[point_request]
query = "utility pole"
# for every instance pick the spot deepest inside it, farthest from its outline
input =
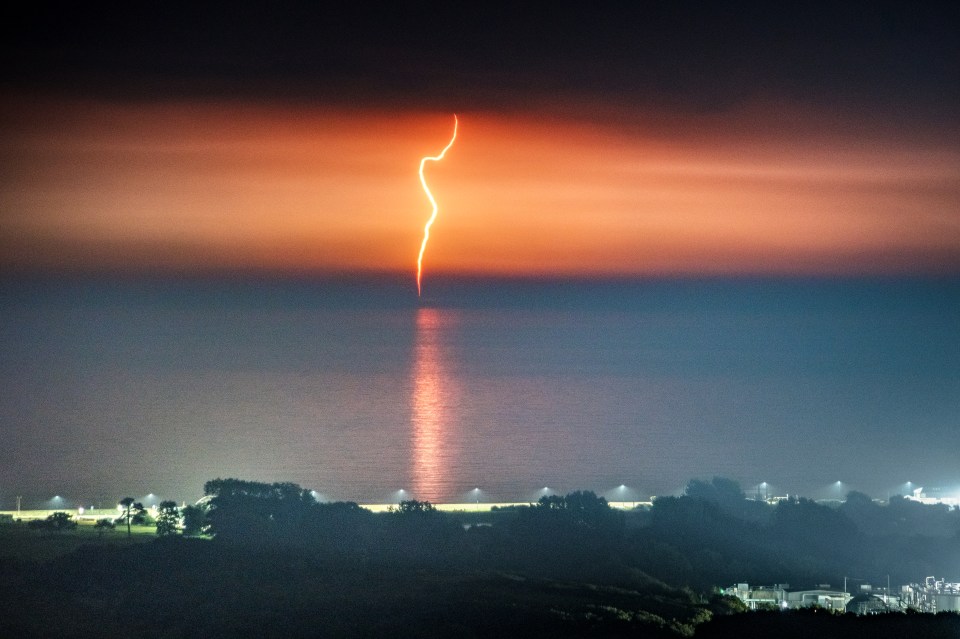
(18, 506)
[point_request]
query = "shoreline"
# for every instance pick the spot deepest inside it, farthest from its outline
(101, 513)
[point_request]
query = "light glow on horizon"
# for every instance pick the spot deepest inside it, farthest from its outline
(183, 187)
(433, 202)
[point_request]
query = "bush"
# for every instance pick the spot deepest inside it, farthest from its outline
(56, 522)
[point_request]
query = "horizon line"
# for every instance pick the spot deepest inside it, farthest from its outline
(15, 272)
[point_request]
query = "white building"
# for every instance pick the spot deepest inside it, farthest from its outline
(829, 599)
(937, 498)
(779, 597)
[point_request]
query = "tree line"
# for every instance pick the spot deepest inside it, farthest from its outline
(273, 561)
(712, 535)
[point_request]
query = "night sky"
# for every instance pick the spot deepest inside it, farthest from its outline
(649, 138)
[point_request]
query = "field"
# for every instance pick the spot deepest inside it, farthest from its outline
(19, 543)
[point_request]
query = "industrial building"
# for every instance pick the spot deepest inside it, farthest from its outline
(779, 597)
(933, 595)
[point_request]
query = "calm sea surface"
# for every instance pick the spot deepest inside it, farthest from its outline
(113, 387)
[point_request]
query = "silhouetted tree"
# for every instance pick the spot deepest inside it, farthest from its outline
(813, 524)
(727, 494)
(258, 512)
(168, 518)
(131, 510)
(194, 519)
(414, 507)
(577, 533)
(103, 525)
(56, 522)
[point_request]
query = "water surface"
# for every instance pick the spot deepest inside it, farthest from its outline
(115, 386)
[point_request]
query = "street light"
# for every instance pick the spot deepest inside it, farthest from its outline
(546, 491)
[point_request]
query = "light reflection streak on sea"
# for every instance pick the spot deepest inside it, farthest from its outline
(433, 407)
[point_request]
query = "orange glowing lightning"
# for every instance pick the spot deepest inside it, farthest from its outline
(433, 216)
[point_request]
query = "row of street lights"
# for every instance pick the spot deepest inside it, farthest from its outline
(625, 494)
(58, 502)
(621, 493)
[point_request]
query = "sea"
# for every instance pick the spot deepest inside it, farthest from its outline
(482, 390)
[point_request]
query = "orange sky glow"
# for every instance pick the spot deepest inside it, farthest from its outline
(220, 185)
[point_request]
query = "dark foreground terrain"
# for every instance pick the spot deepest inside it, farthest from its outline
(189, 587)
(270, 561)
(199, 588)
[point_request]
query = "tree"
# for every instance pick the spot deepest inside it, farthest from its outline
(62, 521)
(720, 490)
(194, 520)
(727, 494)
(131, 509)
(255, 512)
(103, 525)
(414, 507)
(141, 516)
(168, 518)
(580, 508)
(56, 522)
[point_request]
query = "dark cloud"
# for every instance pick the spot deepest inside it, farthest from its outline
(895, 58)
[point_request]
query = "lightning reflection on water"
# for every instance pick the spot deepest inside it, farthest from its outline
(434, 396)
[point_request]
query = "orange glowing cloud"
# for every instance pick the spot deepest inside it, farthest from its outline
(222, 185)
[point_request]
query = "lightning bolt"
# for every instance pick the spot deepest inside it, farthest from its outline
(433, 202)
